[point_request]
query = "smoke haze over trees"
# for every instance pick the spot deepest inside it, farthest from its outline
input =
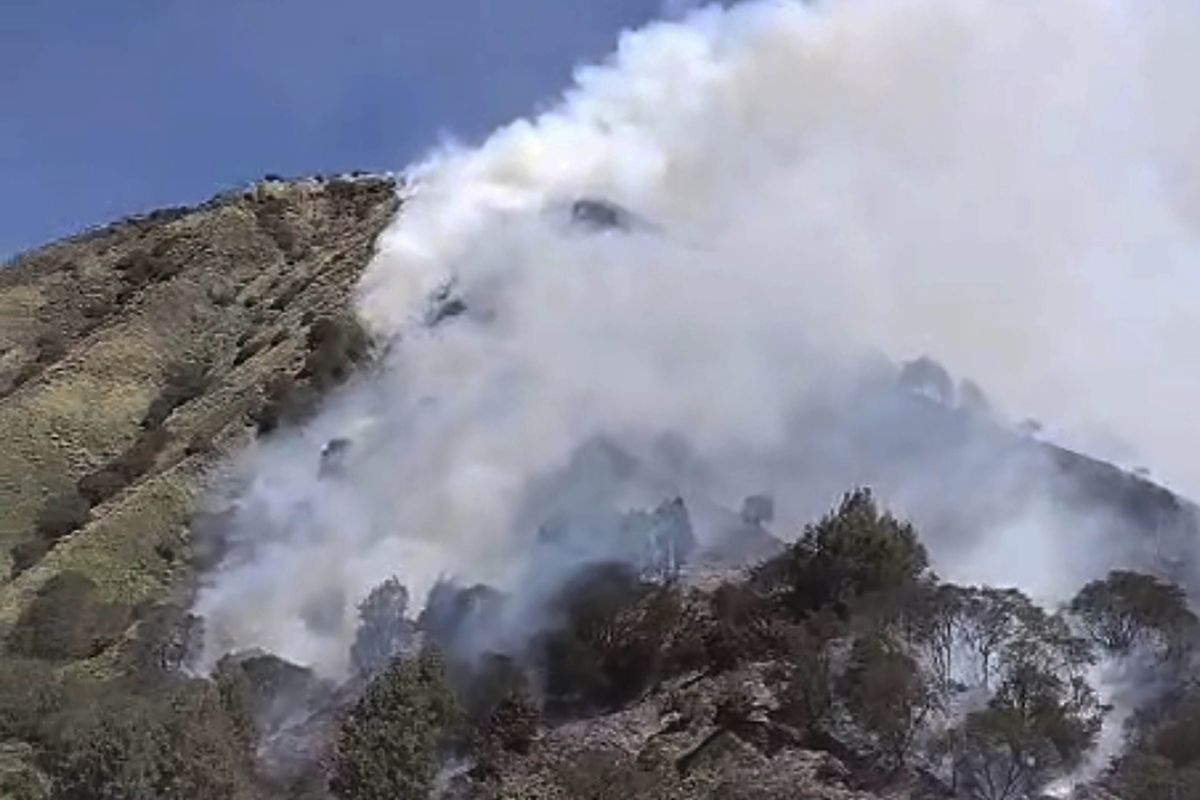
(577, 496)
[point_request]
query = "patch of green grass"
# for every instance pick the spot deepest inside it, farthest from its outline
(121, 551)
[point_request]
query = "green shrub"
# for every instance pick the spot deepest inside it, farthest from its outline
(165, 636)
(181, 744)
(20, 779)
(384, 631)
(265, 689)
(66, 622)
(29, 693)
(286, 401)
(850, 554)
(1143, 776)
(357, 197)
(136, 267)
(1163, 758)
(1035, 728)
(248, 347)
(335, 346)
(63, 514)
(453, 611)
(287, 295)
(614, 639)
(201, 444)
(27, 553)
(807, 697)
(515, 721)
(97, 309)
(185, 381)
(390, 744)
(101, 484)
(140, 268)
(273, 216)
(885, 692)
(482, 685)
(1126, 609)
(50, 347)
(1179, 739)
(741, 629)
(511, 727)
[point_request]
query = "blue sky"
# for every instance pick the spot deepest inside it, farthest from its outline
(111, 108)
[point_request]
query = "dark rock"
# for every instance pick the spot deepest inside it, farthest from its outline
(333, 458)
(599, 216)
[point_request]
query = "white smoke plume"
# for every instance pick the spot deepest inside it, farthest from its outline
(811, 189)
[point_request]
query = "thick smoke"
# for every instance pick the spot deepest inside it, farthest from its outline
(801, 196)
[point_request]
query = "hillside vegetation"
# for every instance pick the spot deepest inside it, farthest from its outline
(136, 359)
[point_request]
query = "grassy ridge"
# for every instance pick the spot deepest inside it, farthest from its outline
(90, 331)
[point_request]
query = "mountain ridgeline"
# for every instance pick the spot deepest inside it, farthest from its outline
(829, 661)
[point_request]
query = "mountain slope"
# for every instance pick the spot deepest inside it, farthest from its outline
(136, 359)
(92, 330)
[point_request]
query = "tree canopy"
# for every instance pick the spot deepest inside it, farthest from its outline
(390, 744)
(1128, 609)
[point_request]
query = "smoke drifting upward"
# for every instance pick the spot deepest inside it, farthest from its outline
(800, 194)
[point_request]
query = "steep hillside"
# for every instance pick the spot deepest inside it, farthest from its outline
(151, 347)
(136, 359)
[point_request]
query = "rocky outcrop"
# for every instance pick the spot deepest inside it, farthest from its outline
(698, 737)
